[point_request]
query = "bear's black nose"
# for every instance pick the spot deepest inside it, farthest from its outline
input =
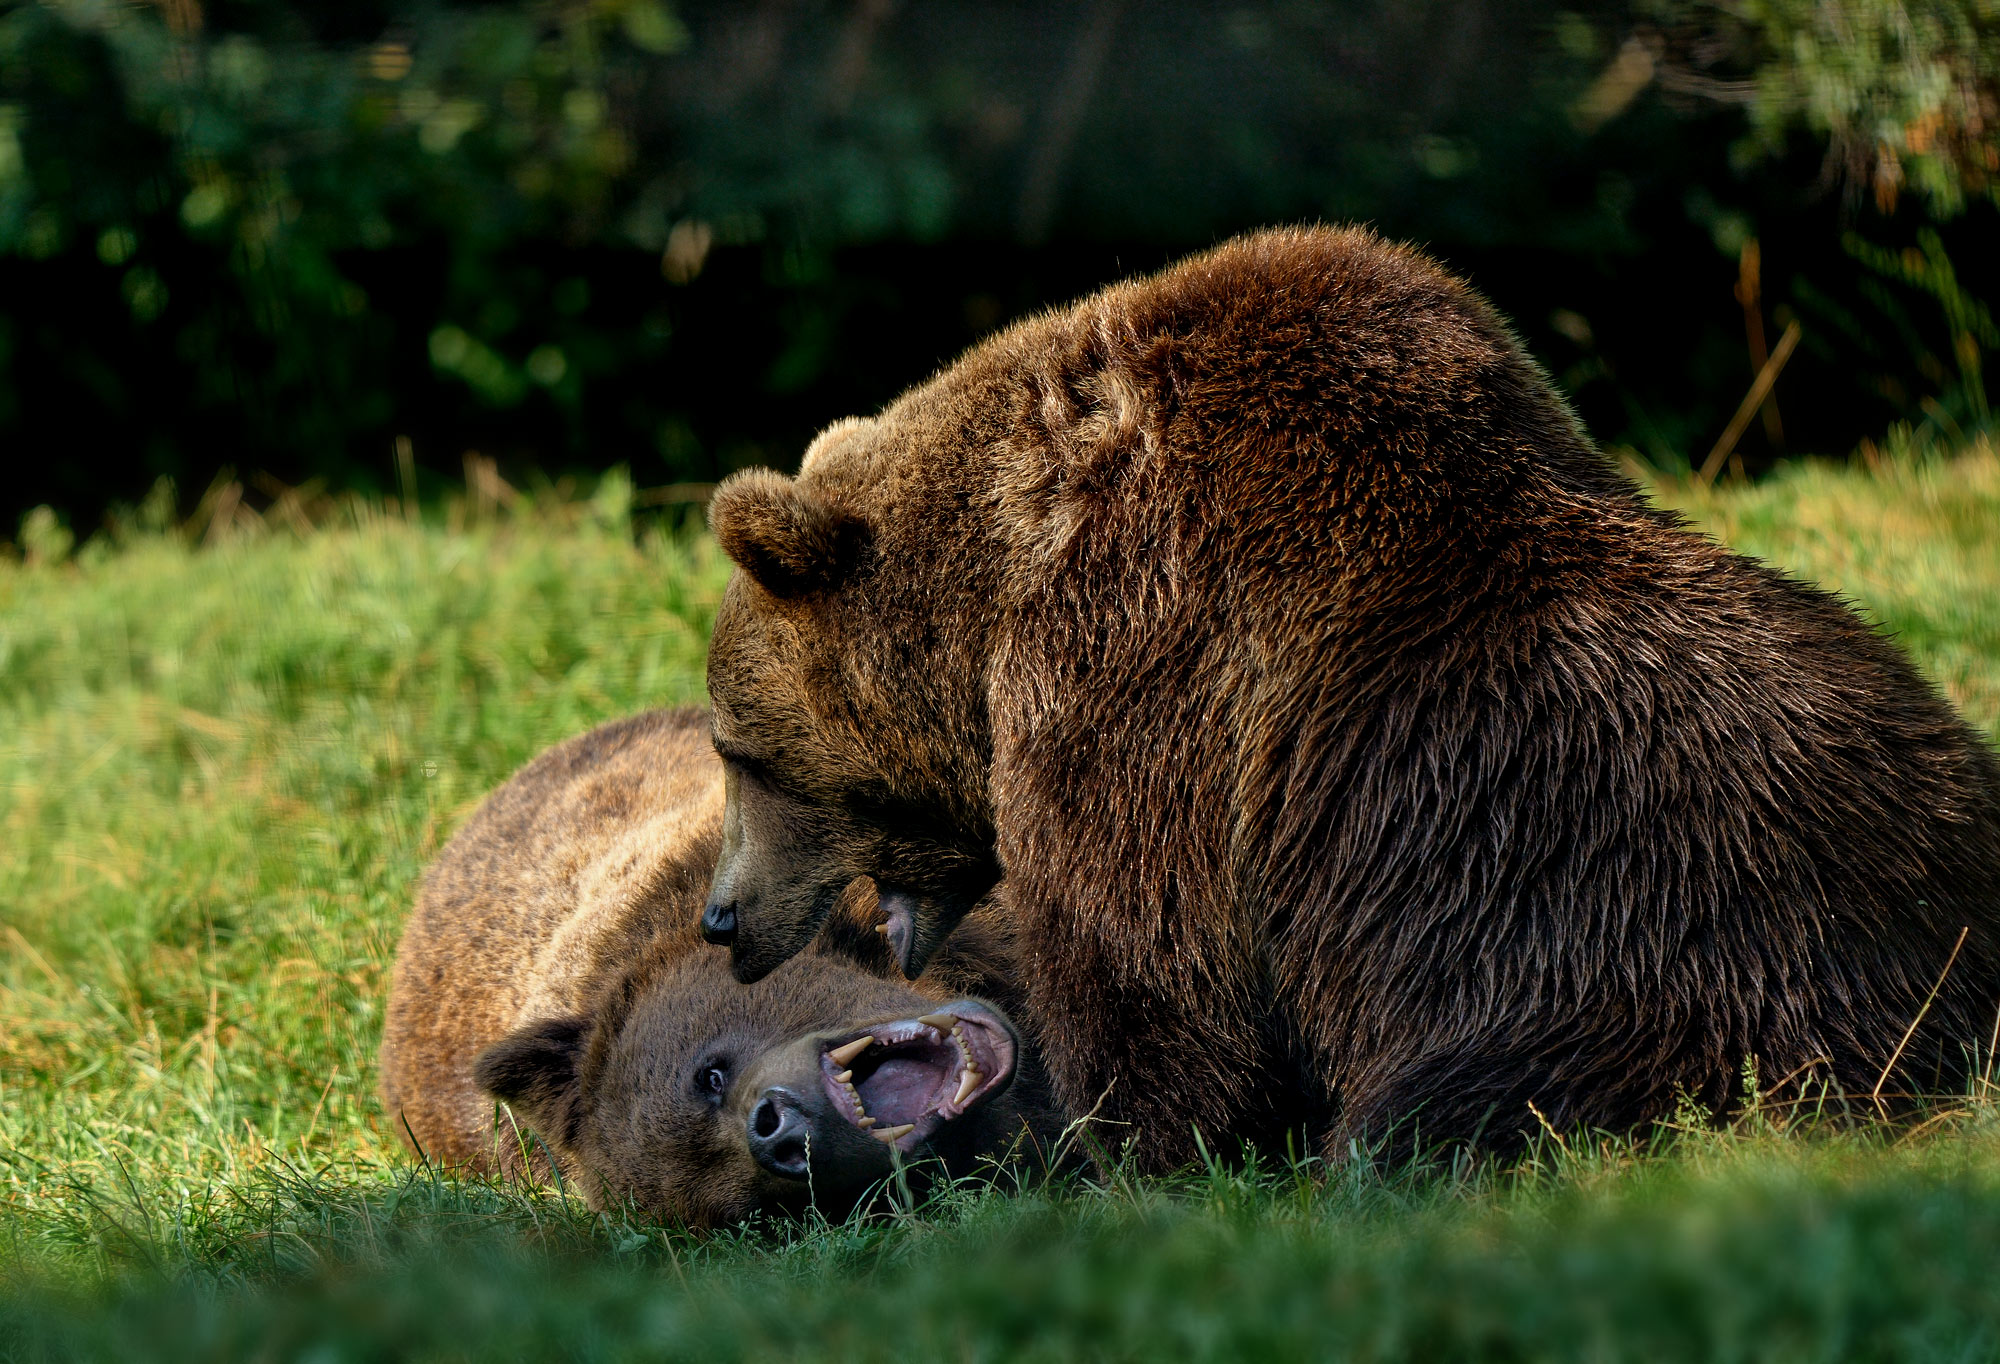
(778, 1134)
(718, 923)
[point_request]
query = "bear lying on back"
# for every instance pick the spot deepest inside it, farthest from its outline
(1361, 751)
(552, 962)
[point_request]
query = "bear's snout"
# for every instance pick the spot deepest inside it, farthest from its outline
(718, 923)
(778, 1133)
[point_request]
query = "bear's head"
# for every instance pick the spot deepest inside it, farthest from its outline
(851, 732)
(703, 1101)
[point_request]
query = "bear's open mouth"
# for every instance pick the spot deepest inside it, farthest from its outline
(902, 1081)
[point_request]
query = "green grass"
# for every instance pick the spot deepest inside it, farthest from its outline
(222, 769)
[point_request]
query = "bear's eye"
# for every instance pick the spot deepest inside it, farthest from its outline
(711, 1080)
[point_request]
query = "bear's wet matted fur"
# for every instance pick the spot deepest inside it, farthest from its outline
(1361, 751)
(552, 961)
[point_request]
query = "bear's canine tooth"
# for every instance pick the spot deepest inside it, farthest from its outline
(968, 1081)
(844, 1055)
(893, 1134)
(883, 929)
(944, 1023)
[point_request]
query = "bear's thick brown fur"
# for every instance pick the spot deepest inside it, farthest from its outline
(1361, 750)
(552, 959)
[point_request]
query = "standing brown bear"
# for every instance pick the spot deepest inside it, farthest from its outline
(552, 963)
(1361, 752)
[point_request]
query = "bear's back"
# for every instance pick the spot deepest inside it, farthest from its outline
(594, 851)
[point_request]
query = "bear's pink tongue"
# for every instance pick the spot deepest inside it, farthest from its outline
(901, 1081)
(901, 1088)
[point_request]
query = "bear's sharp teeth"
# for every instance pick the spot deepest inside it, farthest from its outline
(967, 1082)
(844, 1055)
(841, 1077)
(893, 1134)
(883, 929)
(864, 1123)
(942, 1022)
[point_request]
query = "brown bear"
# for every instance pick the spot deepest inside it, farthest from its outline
(1360, 750)
(552, 962)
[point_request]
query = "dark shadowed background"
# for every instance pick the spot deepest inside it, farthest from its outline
(278, 242)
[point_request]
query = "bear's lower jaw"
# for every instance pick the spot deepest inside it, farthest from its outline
(915, 924)
(899, 929)
(902, 1081)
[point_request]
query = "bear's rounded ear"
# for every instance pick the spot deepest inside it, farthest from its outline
(537, 1072)
(790, 539)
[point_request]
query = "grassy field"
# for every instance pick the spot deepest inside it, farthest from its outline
(222, 769)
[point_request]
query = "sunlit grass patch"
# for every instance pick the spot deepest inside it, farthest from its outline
(222, 770)
(1916, 542)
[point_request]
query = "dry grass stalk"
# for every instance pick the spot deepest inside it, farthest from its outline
(1875, 1095)
(1753, 400)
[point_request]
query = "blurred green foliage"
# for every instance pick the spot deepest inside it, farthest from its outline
(1906, 95)
(568, 234)
(236, 170)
